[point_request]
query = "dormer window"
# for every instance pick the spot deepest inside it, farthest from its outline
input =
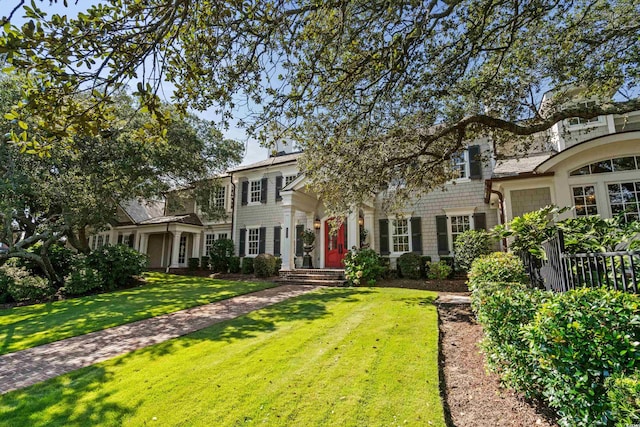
(579, 121)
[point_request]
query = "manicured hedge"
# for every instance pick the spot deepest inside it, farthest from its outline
(264, 265)
(562, 348)
(409, 265)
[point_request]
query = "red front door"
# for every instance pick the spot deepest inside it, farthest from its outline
(335, 246)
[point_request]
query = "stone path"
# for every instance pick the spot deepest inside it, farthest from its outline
(453, 299)
(27, 367)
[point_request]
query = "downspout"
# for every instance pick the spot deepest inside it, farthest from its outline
(233, 207)
(170, 251)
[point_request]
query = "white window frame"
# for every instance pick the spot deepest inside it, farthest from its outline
(222, 236)
(456, 212)
(461, 163)
(209, 238)
(253, 232)
(620, 182)
(182, 249)
(255, 189)
(218, 200)
(584, 197)
(288, 179)
(584, 123)
(392, 235)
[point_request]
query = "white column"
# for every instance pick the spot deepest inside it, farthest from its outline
(144, 243)
(288, 238)
(113, 237)
(175, 252)
(369, 225)
(353, 230)
(195, 251)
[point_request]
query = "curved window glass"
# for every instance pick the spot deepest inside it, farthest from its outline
(619, 164)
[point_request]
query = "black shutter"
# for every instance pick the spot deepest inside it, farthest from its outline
(131, 240)
(278, 188)
(384, 236)
(475, 162)
(443, 235)
(263, 195)
(480, 221)
(245, 192)
(243, 241)
(346, 237)
(276, 240)
(416, 235)
(299, 230)
(263, 240)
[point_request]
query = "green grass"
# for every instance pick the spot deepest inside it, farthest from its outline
(334, 357)
(29, 326)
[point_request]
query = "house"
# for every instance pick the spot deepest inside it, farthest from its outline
(593, 165)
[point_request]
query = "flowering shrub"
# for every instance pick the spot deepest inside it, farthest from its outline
(362, 267)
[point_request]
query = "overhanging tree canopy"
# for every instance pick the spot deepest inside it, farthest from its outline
(375, 91)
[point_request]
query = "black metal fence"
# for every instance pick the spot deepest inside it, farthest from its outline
(561, 271)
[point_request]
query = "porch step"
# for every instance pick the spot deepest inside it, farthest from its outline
(314, 276)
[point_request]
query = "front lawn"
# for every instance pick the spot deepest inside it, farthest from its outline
(29, 326)
(347, 357)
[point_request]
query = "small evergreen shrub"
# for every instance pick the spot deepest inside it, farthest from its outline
(497, 267)
(234, 264)
(471, 245)
(579, 339)
(247, 265)
(439, 270)
(264, 265)
(425, 261)
(82, 279)
(193, 264)
(23, 286)
(5, 280)
(204, 262)
(623, 393)
(385, 264)
(117, 265)
(220, 253)
(451, 263)
(409, 265)
(278, 264)
(362, 267)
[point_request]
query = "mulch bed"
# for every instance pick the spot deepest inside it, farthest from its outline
(472, 396)
(425, 285)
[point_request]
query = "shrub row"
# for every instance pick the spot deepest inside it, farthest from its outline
(579, 351)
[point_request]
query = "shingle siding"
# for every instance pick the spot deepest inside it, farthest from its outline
(529, 200)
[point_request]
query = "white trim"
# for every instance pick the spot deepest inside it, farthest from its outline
(451, 212)
(247, 254)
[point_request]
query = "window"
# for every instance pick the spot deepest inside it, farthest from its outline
(209, 238)
(459, 224)
(253, 241)
(624, 199)
(619, 164)
(459, 165)
(584, 199)
(218, 200)
(289, 179)
(400, 235)
(255, 191)
(222, 236)
(575, 121)
(100, 241)
(182, 252)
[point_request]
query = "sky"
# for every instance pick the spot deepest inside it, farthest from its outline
(253, 151)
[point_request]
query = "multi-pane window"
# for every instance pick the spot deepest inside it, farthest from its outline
(579, 120)
(289, 179)
(459, 224)
(255, 191)
(182, 252)
(253, 241)
(209, 238)
(222, 236)
(100, 241)
(584, 199)
(619, 164)
(400, 235)
(219, 197)
(459, 165)
(624, 198)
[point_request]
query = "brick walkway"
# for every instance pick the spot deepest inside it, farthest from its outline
(27, 367)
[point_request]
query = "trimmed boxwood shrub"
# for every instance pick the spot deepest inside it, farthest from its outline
(82, 279)
(409, 265)
(234, 264)
(623, 393)
(117, 264)
(278, 264)
(438, 270)
(193, 264)
(497, 267)
(204, 262)
(247, 265)
(470, 245)
(264, 265)
(579, 339)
